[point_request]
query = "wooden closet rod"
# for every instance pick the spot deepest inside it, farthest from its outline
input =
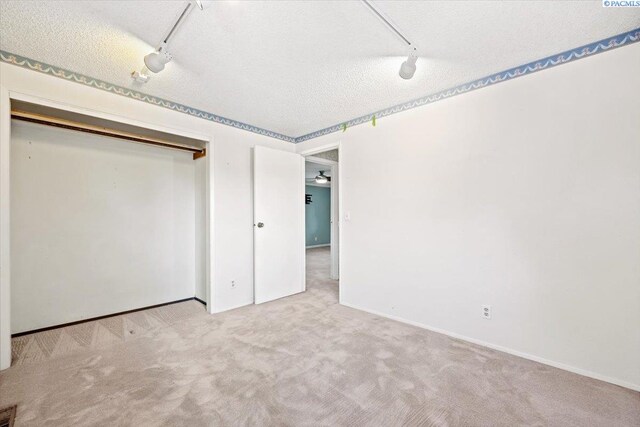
(99, 130)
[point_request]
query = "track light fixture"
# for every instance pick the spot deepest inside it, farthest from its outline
(408, 67)
(156, 60)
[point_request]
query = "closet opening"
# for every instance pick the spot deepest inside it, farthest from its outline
(106, 218)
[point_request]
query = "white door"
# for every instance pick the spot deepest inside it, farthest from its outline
(278, 197)
(335, 224)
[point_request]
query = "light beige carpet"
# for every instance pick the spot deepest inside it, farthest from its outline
(98, 334)
(303, 360)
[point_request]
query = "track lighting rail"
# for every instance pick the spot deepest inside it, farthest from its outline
(386, 21)
(184, 13)
(408, 67)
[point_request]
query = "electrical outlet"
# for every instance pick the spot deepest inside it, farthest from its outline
(486, 312)
(233, 283)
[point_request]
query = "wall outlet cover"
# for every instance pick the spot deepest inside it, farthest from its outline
(486, 312)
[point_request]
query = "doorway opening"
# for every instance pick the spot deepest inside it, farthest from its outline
(321, 220)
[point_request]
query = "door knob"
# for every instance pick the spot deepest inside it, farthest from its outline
(260, 224)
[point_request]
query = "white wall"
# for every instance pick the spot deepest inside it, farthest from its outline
(524, 196)
(98, 225)
(233, 210)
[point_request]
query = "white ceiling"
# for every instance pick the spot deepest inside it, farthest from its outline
(294, 67)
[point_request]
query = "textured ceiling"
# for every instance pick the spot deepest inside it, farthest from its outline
(294, 67)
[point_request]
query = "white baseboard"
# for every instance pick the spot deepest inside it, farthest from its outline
(579, 371)
(318, 246)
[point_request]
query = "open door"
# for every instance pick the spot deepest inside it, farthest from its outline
(335, 224)
(278, 197)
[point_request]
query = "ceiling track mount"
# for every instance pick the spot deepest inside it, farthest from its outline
(387, 22)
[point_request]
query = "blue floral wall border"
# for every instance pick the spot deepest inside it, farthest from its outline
(532, 67)
(522, 70)
(32, 64)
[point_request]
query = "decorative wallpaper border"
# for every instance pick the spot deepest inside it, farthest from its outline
(32, 64)
(522, 70)
(604, 45)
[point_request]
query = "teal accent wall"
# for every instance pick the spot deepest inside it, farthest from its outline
(318, 216)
